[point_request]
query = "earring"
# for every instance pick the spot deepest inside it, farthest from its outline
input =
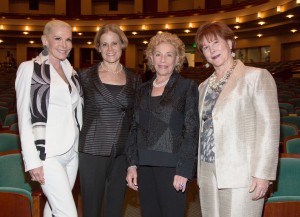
(45, 50)
(232, 54)
(207, 65)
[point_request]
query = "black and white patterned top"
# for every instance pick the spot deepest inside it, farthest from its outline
(207, 142)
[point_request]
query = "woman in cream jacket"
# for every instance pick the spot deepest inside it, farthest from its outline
(239, 129)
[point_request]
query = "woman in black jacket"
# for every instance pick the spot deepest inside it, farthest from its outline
(162, 144)
(109, 93)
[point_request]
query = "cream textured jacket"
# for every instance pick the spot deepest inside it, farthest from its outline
(246, 127)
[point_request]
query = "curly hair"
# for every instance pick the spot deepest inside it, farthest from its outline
(110, 28)
(211, 30)
(172, 39)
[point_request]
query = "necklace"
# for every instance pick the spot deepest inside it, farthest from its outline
(155, 84)
(115, 71)
(215, 85)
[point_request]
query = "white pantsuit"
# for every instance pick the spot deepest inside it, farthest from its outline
(246, 135)
(64, 120)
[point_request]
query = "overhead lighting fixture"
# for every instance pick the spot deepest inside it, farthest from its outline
(145, 42)
(74, 28)
(1, 41)
(1, 27)
(297, 1)
(134, 33)
(278, 9)
(143, 27)
(79, 33)
(294, 30)
(167, 26)
(187, 30)
(31, 42)
(159, 32)
(26, 28)
(98, 28)
(235, 37)
(237, 19)
(258, 14)
(190, 25)
(236, 27)
(89, 42)
(122, 28)
(25, 33)
(261, 23)
(259, 35)
(290, 16)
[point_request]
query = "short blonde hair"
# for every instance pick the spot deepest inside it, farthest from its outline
(54, 23)
(110, 28)
(172, 39)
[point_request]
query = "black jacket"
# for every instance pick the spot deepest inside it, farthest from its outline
(106, 119)
(166, 134)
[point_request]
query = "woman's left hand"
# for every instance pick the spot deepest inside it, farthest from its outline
(259, 187)
(179, 183)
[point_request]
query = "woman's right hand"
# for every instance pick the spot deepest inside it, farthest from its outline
(131, 178)
(37, 174)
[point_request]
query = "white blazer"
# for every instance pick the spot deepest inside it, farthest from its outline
(61, 128)
(246, 127)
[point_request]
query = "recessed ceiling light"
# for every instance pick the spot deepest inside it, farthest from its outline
(89, 42)
(25, 33)
(31, 42)
(259, 35)
(145, 42)
(79, 33)
(236, 27)
(294, 30)
(134, 33)
(1, 41)
(290, 16)
(187, 30)
(261, 23)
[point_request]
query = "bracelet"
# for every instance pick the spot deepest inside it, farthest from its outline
(133, 166)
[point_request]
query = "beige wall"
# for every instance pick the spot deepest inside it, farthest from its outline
(21, 7)
(175, 5)
(131, 56)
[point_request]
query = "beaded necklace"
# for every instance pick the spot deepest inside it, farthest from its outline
(155, 84)
(215, 85)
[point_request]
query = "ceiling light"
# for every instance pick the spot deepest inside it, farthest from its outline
(259, 35)
(294, 30)
(79, 33)
(235, 37)
(258, 14)
(98, 28)
(74, 28)
(31, 42)
(89, 42)
(1, 41)
(1, 27)
(237, 19)
(187, 30)
(159, 32)
(261, 23)
(134, 33)
(278, 9)
(143, 27)
(167, 26)
(297, 1)
(122, 28)
(236, 27)
(145, 42)
(290, 16)
(25, 33)
(190, 25)
(26, 28)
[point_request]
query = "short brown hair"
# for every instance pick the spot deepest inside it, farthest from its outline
(166, 37)
(211, 30)
(110, 28)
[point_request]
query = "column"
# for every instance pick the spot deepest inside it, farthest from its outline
(4, 6)
(60, 7)
(138, 6)
(162, 5)
(86, 7)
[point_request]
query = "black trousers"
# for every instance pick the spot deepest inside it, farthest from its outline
(157, 195)
(103, 184)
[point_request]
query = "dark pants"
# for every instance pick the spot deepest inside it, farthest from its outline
(157, 195)
(103, 184)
